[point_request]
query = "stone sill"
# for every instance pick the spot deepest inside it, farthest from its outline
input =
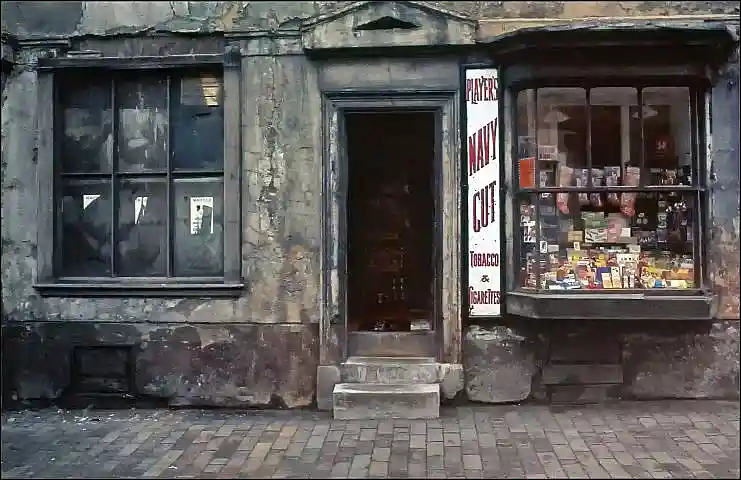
(618, 306)
(150, 290)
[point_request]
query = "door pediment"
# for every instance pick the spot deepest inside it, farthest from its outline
(378, 24)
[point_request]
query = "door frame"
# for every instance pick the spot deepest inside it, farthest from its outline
(446, 220)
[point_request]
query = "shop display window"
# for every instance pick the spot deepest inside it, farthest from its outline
(608, 194)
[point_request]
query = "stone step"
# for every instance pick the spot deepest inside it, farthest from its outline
(367, 401)
(391, 344)
(391, 370)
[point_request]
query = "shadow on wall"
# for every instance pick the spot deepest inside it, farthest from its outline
(181, 365)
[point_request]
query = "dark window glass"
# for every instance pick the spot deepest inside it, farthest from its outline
(87, 137)
(164, 170)
(667, 134)
(142, 124)
(198, 124)
(199, 231)
(86, 228)
(141, 235)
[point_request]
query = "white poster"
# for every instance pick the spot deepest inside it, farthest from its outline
(201, 208)
(482, 158)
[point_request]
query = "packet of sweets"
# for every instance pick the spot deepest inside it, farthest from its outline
(628, 200)
(564, 180)
(582, 179)
(612, 179)
(595, 198)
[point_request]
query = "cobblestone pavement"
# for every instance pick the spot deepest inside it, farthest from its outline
(628, 440)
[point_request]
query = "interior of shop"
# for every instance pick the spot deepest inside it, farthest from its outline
(390, 214)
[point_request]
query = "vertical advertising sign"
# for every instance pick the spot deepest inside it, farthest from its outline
(483, 176)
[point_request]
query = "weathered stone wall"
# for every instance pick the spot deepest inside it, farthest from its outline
(261, 348)
(258, 349)
(42, 19)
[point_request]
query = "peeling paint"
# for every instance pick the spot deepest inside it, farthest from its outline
(262, 347)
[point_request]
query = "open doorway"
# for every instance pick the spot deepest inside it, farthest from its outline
(390, 220)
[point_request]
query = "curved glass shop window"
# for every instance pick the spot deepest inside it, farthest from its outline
(608, 194)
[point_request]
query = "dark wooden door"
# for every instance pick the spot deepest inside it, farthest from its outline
(390, 219)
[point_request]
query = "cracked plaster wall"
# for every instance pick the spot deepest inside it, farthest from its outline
(281, 207)
(39, 19)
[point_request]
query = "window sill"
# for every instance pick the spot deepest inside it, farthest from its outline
(150, 290)
(619, 306)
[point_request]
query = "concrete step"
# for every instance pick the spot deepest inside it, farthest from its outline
(391, 344)
(367, 401)
(391, 370)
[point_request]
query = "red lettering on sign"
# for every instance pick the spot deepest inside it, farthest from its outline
(480, 145)
(484, 297)
(483, 89)
(482, 207)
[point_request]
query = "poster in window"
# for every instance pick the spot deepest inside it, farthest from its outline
(484, 254)
(201, 215)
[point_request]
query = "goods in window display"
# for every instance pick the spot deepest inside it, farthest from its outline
(596, 198)
(616, 229)
(582, 180)
(564, 179)
(612, 179)
(602, 248)
(527, 172)
(628, 200)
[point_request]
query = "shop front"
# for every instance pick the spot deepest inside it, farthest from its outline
(610, 149)
(381, 203)
(584, 181)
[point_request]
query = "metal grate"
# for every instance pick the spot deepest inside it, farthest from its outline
(102, 370)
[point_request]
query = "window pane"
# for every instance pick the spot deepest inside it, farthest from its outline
(526, 138)
(87, 143)
(562, 130)
(86, 229)
(591, 248)
(199, 231)
(667, 135)
(198, 124)
(528, 247)
(142, 229)
(142, 124)
(615, 138)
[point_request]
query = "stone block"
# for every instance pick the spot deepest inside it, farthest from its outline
(391, 344)
(327, 376)
(499, 364)
(595, 345)
(583, 394)
(698, 361)
(451, 379)
(581, 374)
(402, 370)
(390, 370)
(357, 401)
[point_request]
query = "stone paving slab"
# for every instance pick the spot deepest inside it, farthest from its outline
(683, 439)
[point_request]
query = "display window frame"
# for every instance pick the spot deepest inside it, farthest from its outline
(588, 71)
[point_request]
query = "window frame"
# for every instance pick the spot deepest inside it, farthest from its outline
(48, 282)
(690, 304)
